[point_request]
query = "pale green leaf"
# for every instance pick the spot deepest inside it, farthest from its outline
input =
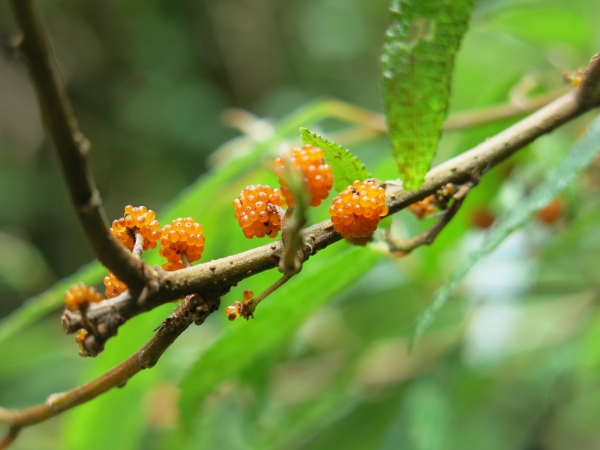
(417, 63)
(346, 166)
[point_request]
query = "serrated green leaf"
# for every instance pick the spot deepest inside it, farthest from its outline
(346, 167)
(582, 153)
(275, 320)
(416, 64)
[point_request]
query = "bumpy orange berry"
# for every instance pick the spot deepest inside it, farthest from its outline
(79, 295)
(137, 219)
(256, 212)
(114, 286)
(357, 210)
(318, 176)
(181, 236)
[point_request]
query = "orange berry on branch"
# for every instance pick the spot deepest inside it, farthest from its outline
(137, 220)
(80, 295)
(316, 174)
(357, 210)
(257, 211)
(423, 207)
(181, 237)
(114, 286)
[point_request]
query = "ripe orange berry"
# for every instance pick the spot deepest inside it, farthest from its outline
(440, 199)
(423, 207)
(318, 176)
(233, 312)
(79, 295)
(357, 210)
(256, 213)
(482, 218)
(181, 236)
(551, 212)
(114, 286)
(137, 219)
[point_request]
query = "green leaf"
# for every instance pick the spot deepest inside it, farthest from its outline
(417, 62)
(346, 167)
(582, 153)
(276, 319)
(422, 420)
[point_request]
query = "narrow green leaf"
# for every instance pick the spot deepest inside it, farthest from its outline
(417, 62)
(346, 167)
(276, 319)
(582, 153)
(422, 419)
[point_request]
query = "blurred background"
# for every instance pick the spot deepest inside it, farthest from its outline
(174, 94)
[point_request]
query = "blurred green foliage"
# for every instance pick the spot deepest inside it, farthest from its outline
(512, 361)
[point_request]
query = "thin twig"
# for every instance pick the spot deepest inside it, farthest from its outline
(372, 123)
(253, 303)
(294, 219)
(193, 309)
(246, 308)
(138, 247)
(10, 436)
(404, 247)
(589, 89)
(468, 119)
(185, 259)
(71, 146)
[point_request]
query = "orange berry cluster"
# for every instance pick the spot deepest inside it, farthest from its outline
(440, 199)
(318, 176)
(80, 295)
(137, 219)
(357, 210)
(114, 286)
(181, 236)
(256, 213)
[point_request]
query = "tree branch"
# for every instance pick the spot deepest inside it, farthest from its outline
(404, 247)
(217, 277)
(72, 147)
(193, 309)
